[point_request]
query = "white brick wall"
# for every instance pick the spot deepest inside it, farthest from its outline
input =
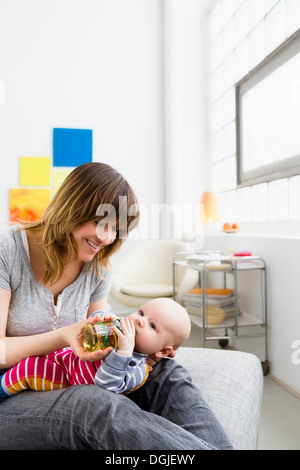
(242, 34)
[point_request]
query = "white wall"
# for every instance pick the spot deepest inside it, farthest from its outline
(186, 100)
(117, 67)
(242, 34)
(85, 64)
(282, 256)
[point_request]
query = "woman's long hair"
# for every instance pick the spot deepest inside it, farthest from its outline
(77, 201)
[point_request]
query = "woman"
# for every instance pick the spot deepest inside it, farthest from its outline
(53, 274)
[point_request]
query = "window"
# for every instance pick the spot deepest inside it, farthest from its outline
(268, 117)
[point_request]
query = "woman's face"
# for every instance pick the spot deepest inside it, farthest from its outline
(91, 237)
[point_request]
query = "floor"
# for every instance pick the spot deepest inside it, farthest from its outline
(280, 418)
(280, 414)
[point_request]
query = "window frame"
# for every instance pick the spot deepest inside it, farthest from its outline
(277, 170)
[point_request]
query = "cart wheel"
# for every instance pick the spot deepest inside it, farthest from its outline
(223, 343)
(265, 367)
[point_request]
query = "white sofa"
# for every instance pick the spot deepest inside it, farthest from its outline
(232, 384)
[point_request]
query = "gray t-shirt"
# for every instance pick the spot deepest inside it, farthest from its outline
(32, 309)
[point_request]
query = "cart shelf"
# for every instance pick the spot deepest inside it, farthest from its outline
(233, 326)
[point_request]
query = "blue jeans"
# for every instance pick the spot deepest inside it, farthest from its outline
(167, 413)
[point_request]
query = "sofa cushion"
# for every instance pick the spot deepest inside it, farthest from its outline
(232, 384)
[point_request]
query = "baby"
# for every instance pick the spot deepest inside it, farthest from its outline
(157, 328)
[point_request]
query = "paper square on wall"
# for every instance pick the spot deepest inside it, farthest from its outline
(72, 147)
(58, 176)
(27, 204)
(35, 171)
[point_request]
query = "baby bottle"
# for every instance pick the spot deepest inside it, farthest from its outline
(100, 335)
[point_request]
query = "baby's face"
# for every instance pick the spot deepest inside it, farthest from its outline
(153, 327)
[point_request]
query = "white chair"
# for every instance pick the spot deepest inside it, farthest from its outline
(144, 271)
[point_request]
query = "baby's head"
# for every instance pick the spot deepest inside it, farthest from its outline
(161, 326)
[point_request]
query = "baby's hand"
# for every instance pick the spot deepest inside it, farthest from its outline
(126, 337)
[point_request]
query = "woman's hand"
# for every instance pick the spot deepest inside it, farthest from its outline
(103, 316)
(72, 337)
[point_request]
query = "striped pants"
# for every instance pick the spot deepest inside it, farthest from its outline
(54, 371)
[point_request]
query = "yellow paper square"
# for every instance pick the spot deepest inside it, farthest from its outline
(58, 176)
(35, 171)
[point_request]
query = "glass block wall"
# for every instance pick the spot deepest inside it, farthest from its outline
(242, 34)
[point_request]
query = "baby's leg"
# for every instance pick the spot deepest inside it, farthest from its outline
(35, 373)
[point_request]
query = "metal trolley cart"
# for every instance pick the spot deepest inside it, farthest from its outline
(228, 269)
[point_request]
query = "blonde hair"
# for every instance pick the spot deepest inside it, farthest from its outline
(76, 202)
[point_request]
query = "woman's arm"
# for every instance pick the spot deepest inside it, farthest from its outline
(5, 296)
(20, 347)
(98, 305)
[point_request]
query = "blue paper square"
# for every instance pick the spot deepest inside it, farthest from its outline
(72, 147)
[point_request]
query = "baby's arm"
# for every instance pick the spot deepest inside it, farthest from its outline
(121, 374)
(123, 370)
